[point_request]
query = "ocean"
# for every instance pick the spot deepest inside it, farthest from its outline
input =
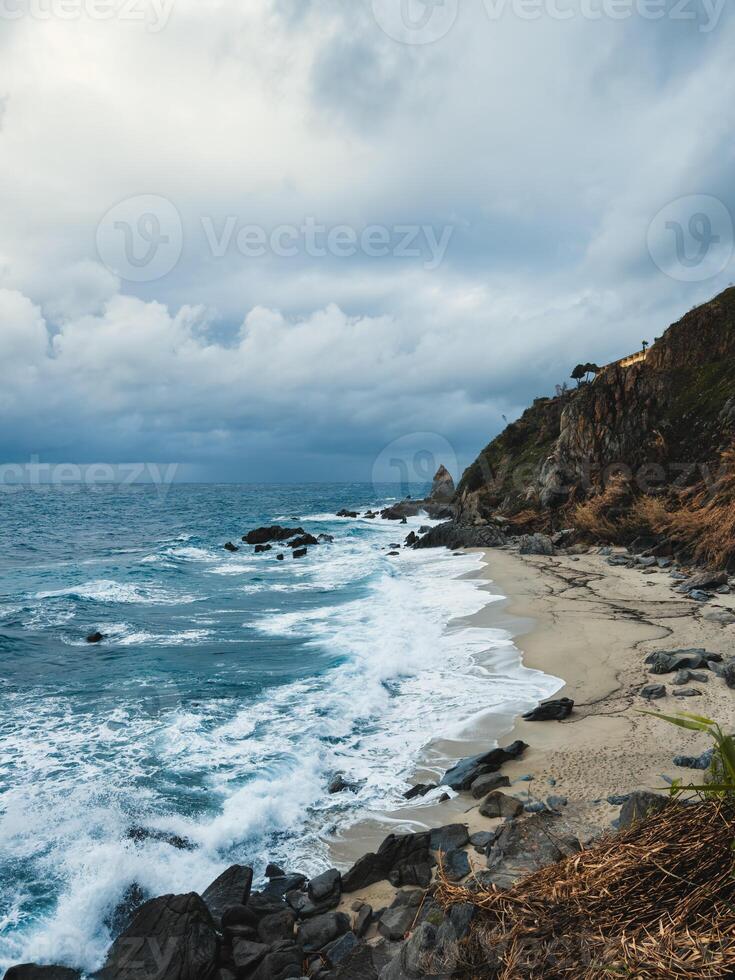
(230, 690)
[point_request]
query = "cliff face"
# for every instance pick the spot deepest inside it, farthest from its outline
(663, 421)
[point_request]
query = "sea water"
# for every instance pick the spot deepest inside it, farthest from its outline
(230, 690)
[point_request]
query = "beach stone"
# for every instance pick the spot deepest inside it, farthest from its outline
(404, 859)
(535, 807)
(687, 692)
(231, 888)
(535, 544)
(706, 580)
(449, 838)
(486, 784)
(556, 802)
(246, 955)
(274, 871)
(668, 661)
(638, 806)
(282, 963)
(685, 676)
(179, 924)
(322, 929)
(723, 617)
(651, 692)
(481, 839)
(462, 776)
(556, 710)
(421, 789)
(277, 926)
(363, 920)
(525, 845)
(395, 922)
(499, 804)
(31, 971)
(702, 762)
(326, 889)
(456, 865)
(336, 951)
(279, 887)
(648, 562)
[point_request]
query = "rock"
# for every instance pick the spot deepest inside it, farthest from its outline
(639, 805)
(302, 541)
(536, 544)
(284, 961)
(170, 938)
(363, 920)
(456, 536)
(684, 676)
(394, 554)
(277, 926)
(347, 513)
(442, 488)
(362, 963)
(481, 839)
(403, 859)
(325, 538)
(702, 762)
(246, 955)
(274, 871)
(338, 785)
(647, 562)
(728, 674)
(618, 561)
(652, 692)
(699, 596)
(326, 889)
(706, 580)
(31, 971)
(231, 547)
(266, 902)
(668, 661)
(263, 535)
(487, 783)
(239, 915)
(231, 888)
(411, 540)
(261, 549)
(414, 959)
(525, 845)
(463, 775)
(300, 553)
(687, 692)
(336, 951)
(322, 929)
(535, 806)
(394, 923)
(551, 711)
(723, 617)
(499, 804)
(95, 637)
(280, 885)
(141, 834)
(449, 838)
(421, 789)
(556, 802)
(456, 865)
(280, 557)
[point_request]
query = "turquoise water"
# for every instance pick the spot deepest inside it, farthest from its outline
(231, 688)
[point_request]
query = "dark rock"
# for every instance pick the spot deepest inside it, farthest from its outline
(246, 956)
(336, 951)
(685, 676)
(300, 553)
(279, 886)
(414, 959)
(31, 971)
(394, 923)
(523, 846)
(180, 928)
(231, 547)
(481, 839)
(263, 535)
(302, 541)
(362, 963)
(651, 692)
(261, 549)
(141, 834)
(556, 802)
(284, 961)
(338, 785)
(535, 806)
(322, 929)
(347, 513)
(706, 580)
(231, 888)
(325, 539)
(617, 799)
(463, 775)
(668, 661)
(455, 536)
(363, 920)
(95, 637)
(394, 554)
(486, 784)
(728, 674)
(639, 805)
(536, 544)
(274, 871)
(280, 557)
(687, 692)
(699, 596)
(551, 710)
(456, 865)
(277, 926)
(326, 889)
(499, 804)
(124, 912)
(449, 838)
(266, 902)
(239, 915)
(703, 761)
(421, 789)
(403, 859)
(411, 539)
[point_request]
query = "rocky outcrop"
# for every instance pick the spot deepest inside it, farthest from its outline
(442, 488)
(455, 536)
(31, 971)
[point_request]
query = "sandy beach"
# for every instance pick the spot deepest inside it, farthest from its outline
(592, 625)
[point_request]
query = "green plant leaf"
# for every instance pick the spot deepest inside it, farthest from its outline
(693, 726)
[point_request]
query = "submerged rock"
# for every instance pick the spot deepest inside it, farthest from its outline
(262, 535)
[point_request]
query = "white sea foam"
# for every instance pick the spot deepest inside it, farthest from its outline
(105, 590)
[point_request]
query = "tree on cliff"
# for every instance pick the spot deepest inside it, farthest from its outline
(579, 374)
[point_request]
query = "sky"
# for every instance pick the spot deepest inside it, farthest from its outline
(316, 240)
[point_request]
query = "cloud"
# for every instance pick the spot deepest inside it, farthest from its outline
(547, 147)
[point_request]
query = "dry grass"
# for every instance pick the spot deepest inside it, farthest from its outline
(699, 522)
(655, 901)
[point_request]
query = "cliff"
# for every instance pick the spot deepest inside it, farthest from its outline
(662, 422)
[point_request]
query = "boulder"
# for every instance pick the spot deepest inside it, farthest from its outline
(265, 903)
(456, 865)
(347, 513)
(142, 834)
(170, 938)
(325, 539)
(246, 956)
(300, 553)
(362, 963)
(395, 922)
(277, 926)
(231, 888)
(338, 785)
(481, 839)
(456, 536)
(706, 580)
(403, 859)
(336, 951)
(322, 929)
(499, 804)
(326, 889)
(551, 710)
(449, 838)
(702, 762)
(639, 805)
(522, 846)
(442, 487)
(274, 871)
(231, 547)
(486, 784)
(415, 956)
(303, 541)
(284, 961)
(462, 776)
(31, 971)
(723, 617)
(421, 789)
(280, 885)
(280, 557)
(685, 676)
(263, 535)
(651, 692)
(535, 544)
(95, 637)
(668, 661)
(261, 549)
